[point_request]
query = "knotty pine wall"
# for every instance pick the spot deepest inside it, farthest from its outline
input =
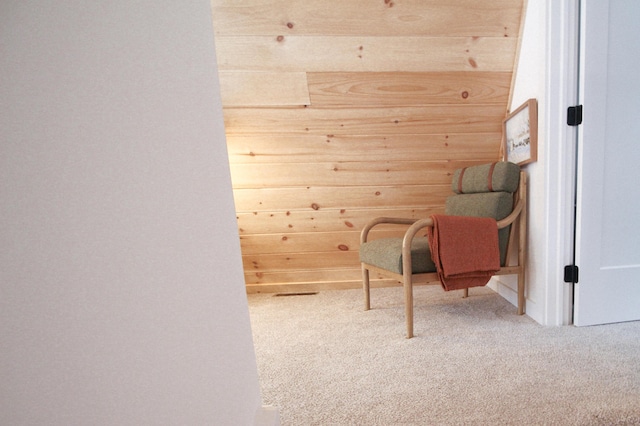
(338, 111)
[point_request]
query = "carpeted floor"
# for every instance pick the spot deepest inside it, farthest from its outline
(324, 361)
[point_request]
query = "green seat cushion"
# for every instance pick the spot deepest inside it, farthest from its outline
(386, 253)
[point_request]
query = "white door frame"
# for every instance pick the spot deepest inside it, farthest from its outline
(563, 18)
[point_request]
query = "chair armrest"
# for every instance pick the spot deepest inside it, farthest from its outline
(412, 231)
(512, 216)
(408, 239)
(381, 220)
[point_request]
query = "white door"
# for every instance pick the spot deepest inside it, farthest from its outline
(608, 210)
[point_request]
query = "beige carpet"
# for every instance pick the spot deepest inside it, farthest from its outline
(324, 361)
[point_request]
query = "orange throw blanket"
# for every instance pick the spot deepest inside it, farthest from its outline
(464, 249)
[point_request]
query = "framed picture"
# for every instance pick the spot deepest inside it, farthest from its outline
(520, 134)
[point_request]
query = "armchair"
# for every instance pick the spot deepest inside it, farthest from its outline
(496, 190)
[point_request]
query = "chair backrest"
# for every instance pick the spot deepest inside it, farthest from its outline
(485, 191)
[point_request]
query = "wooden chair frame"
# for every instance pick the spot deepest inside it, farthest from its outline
(518, 215)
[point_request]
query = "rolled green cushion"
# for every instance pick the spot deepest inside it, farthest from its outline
(505, 178)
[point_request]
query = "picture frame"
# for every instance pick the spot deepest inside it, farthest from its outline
(520, 134)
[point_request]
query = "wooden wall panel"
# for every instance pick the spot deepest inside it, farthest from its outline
(333, 220)
(312, 241)
(264, 88)
(312, 279)
(407, 89)
(339, 197)
(343, 173)
(495, 18)
(300, 261)
(273, 278)
(306, 148)
(365, 54)
(340, 111)
(431, 119)
(291, 243)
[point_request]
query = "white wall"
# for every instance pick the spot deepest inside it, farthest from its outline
(546, 71)
(121, 288)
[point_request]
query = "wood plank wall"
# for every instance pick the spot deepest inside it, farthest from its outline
(339, 111)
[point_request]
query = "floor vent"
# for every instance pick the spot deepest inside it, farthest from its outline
(305, 293)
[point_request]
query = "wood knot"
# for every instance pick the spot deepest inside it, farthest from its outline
(315, 206)
(465, 95)
(290, 25)
(280, 38)
(343, 247)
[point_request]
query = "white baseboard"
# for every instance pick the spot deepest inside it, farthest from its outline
(506, 288)
(267, 416)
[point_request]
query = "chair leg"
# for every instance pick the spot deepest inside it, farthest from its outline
(465, 293)
(408, 302)
(365, 288)
(521, 299)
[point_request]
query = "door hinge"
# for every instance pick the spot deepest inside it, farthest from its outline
(574, 115)
(571, 274)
